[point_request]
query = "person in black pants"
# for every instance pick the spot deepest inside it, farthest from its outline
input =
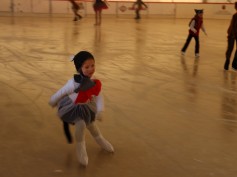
(232, 39)
(195, 25)
(75, 9)
(138, 6)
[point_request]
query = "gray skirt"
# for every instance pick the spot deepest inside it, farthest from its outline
(70, 112)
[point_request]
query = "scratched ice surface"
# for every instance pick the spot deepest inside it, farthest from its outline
(166, 115)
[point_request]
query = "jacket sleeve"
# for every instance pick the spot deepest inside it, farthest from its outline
(235, 26)
(67, 89)
(100, 102)
(230, 28)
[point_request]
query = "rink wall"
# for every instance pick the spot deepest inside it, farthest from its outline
(116, 8)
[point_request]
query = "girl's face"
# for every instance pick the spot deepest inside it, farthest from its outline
(88, 67)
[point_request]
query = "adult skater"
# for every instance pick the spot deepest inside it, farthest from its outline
(232, 39)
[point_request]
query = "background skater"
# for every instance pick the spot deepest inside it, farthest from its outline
(195, 25)
(138, 6)
(98, 6)
(232, 39)
(75, 9)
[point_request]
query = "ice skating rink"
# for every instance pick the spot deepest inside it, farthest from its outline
(166, 115)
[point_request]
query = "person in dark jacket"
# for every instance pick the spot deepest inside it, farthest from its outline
(232, 39)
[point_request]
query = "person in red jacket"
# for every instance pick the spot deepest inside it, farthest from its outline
(79, 103)
(195, 25)
(232, 39)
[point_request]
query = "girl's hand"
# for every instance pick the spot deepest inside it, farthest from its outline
(52, 104)
(99, 116)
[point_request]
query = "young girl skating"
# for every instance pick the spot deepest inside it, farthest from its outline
(195, 25)
(79, 102)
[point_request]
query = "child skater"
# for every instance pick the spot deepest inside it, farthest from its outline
(98, 6)
(232, 39)
(195, 25)
(138, 5)
(75, 9)
(79, 102)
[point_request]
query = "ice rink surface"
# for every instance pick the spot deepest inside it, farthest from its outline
(166, 115)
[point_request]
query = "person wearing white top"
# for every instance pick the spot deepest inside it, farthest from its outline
(80, 102)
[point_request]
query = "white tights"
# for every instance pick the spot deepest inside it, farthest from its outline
(80, 128)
